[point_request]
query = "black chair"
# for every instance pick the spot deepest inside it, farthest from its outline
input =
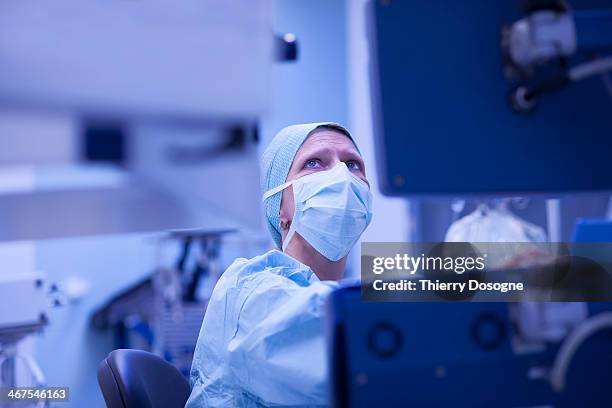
(138, 379)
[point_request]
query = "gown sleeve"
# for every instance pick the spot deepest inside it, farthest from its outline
(277, 352)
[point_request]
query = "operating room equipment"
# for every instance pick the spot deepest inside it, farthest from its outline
(494, 222)
(222, 54)
(568, 349)
(553, 32)
(140, 194)
(25, 300)
(545, 34)
(163, 312)
(450, 136)
(179, 99)
(31, 291)
(593, 230)
(205, 268)
(524, 98)
(390, 353)
(442, 120)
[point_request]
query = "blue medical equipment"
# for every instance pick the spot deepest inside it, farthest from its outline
(458, 354)
(482, 97)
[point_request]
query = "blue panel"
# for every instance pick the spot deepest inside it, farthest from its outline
(445, 126)
(593, 230)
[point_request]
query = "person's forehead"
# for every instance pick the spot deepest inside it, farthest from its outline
(325, 139)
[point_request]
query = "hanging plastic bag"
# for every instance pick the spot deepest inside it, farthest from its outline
(498, 224)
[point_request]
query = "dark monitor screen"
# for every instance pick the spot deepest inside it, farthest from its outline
(442, 118)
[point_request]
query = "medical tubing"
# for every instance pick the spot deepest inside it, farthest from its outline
(595, 67)
(571, 344)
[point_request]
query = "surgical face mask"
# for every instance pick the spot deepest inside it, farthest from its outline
(332, 209)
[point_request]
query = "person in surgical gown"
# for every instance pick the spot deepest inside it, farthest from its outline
(262, 340)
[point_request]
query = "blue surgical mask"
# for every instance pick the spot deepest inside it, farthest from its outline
(332, 209)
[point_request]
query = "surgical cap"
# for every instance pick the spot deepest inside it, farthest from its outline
(276, 162)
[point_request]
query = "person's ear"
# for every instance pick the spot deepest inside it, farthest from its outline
(287, 209)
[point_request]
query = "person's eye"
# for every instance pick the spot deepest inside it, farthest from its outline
(312, 164)
(353, 165)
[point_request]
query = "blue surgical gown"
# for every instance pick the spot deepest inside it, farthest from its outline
(261, 341)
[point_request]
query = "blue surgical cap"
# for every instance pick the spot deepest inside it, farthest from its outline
(276, 162)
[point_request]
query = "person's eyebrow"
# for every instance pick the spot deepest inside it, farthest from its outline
(351, 153)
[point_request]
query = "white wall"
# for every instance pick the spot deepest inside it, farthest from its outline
(312, 89)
